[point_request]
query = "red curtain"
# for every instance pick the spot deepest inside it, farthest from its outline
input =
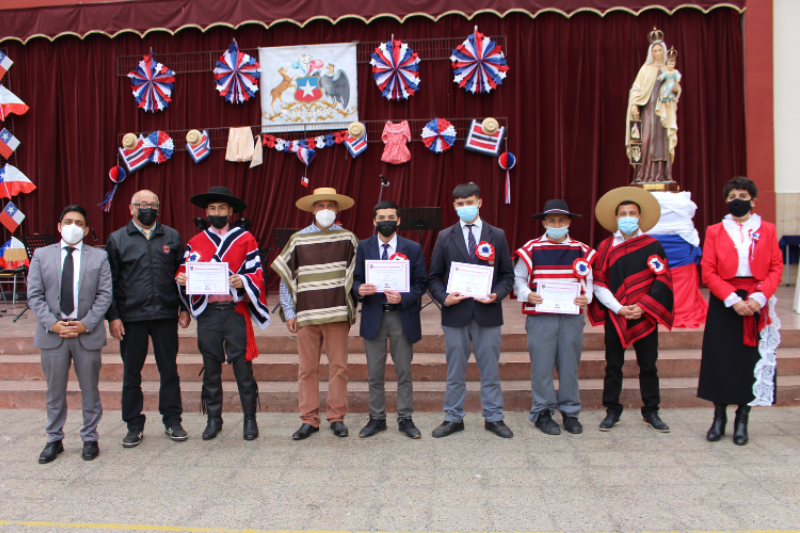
(565, 98)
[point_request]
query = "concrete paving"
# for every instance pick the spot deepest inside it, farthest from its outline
(631, 479)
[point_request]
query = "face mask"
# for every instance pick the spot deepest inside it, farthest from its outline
(218, 222)
(467, 213)
(739, 207)
(147, 216)
(557, 233)
(71, 234)
(325, 218)
(387, 228)
(628, 225)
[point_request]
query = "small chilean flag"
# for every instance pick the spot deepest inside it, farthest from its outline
(8, 143)
(10, 103)
(5, 64)
(304, 181)
(13, 182)
(11, 217)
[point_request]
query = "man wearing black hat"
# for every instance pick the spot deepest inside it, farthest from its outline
(224, 326)
(555, 335)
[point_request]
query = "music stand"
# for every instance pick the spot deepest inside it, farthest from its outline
(32, 243)
(282, 236)
(421, 219)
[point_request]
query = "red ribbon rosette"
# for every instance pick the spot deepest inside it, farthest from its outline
(485, 251)
(657, 265)
(581, 268)
(398, 257)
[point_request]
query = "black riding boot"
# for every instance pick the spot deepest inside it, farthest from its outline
(717, 429)
(248, 394)
(740, 436)
(211, 397)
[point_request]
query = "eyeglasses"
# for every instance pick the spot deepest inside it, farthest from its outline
(145, 206)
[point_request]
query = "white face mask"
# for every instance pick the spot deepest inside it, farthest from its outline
(325, 218)
(71, 234)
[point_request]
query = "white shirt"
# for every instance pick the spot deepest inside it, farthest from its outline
(392, 246)
(742, 236)
(476, 231)
(76, 261)
(604, 295)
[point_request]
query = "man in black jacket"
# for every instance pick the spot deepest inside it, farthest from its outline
(144, 257)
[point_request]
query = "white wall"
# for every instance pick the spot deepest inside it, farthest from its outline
(786, 40)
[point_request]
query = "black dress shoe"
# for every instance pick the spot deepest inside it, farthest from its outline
(717, 429)
(339, 429)
(447, 428)
(250, 431)
(176, 433)
(407, 427)
(133, 438)
(90, 450)
(740, 436)
(50, 452)
(610, 421)
(546, 424)
(373, 426)
(655, 422)
(573, 425)
(212, 429)
(499, 428)
(304, 432)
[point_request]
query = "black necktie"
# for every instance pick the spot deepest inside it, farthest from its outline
(472, 244)
(67, 279)
(384, 257)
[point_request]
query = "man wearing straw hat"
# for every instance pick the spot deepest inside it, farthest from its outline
(316, 269)
(633, 289)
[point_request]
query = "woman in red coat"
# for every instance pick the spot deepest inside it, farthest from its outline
(742, 266)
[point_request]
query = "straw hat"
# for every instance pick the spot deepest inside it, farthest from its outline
(193, 137)
(606, 209)
(356, 129)
(306, 203)
(219, 194)
(490, 126)
(129, 141)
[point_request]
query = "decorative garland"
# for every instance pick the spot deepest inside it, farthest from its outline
(305, 149)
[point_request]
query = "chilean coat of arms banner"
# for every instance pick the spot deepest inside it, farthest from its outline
(305, 85)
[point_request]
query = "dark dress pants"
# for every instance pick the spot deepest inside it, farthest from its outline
(646, 356)
(133, 348)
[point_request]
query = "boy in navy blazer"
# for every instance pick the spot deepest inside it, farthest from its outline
(466, 320)
(390, 315)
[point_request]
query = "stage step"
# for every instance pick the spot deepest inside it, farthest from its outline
(428, 396)
(427, 367)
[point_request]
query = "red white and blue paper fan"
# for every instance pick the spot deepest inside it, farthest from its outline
(117, 175)
(237, 75)
(306, 155)
(479, 64)
(507, 162)
(158, 147)
(395, 68)
(438, 135)
(152, 84)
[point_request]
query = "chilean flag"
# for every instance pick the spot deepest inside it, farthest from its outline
(8, 143)
(13, 182)
(5, 64)
(10, 103)
(11, 217)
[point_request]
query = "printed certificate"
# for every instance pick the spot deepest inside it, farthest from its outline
(558, 297)
(470, 280)
(207, 278)
(388, 275)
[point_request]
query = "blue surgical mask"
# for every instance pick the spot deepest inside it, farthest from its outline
(467, 213)
(557, 233)
(628, 225)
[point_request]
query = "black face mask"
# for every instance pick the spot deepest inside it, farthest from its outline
(387, 228)
(147, 216)
(217, 221)
(739, 207)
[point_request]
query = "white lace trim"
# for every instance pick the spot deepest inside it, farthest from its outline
(764, 387)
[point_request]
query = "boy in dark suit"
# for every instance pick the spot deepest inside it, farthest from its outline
(390, 315)
(466, 320)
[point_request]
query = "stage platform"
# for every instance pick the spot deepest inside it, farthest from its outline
(22, 385)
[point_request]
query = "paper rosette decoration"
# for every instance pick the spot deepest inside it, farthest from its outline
(479, 64)
(152, 84)
(438, 135)
(158, 147)
(117, 175)
(237, 75)
(395, 68)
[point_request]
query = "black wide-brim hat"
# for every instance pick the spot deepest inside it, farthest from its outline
(219, 194)
(555, 207)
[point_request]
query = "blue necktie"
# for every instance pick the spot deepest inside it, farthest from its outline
(384, 257)
(472, 245)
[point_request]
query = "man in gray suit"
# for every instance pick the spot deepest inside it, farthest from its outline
(69, 291)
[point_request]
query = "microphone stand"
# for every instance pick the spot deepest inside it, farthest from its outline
(384, 183)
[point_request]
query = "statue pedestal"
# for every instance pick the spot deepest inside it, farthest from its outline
(662, 186)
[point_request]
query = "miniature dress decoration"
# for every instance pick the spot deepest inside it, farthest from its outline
(395, 137)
